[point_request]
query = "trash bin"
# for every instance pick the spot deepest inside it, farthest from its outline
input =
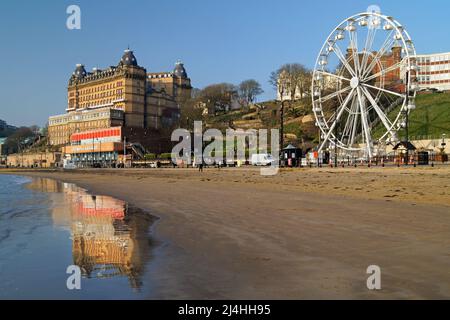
(422, 158)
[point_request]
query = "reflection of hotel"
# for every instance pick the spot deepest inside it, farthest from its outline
(109, 239)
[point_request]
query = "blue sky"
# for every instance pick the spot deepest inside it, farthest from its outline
(219, 41)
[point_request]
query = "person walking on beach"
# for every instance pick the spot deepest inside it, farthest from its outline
(200, 166)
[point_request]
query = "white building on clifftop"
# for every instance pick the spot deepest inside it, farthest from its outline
(434, 71)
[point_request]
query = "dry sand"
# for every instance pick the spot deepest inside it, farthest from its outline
(303, 234)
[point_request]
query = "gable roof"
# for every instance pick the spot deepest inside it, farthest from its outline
(404, 145)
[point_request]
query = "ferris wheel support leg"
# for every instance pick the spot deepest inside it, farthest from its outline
(365, 125)
(337, 117)
(369, 151)
(322, 145)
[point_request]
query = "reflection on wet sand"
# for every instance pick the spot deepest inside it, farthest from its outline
(109, 238)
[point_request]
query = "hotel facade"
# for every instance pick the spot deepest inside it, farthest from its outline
(124, 95)
(96, 146)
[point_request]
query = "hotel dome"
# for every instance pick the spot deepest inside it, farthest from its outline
(128, 59)
(79, 72)
(179, 70)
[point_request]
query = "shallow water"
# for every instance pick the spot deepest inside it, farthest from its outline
(46, 226)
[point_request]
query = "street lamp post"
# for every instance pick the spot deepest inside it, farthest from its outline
(407, 133)
(124, 150)
(407, 110)
(335, 137)
(443, 144)
(93, 149)
(100, 151)
(281, 129)
(318, 154)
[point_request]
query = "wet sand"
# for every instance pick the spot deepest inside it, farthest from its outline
(303, 234)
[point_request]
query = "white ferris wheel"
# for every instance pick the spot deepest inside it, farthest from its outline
(364, 78)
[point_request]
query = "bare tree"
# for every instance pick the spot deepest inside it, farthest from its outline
(218, 96)
(15, 141)
(35, 129)
(249, 89)
(294, 77)
(195, 93)
(190, 112)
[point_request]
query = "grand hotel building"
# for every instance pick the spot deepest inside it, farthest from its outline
(124, 95)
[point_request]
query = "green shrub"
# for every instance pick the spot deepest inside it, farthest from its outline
(165, 156)
(150, 156)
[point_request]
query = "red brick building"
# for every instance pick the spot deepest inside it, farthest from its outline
(392, 79)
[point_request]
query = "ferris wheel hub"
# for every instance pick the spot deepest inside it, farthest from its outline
(354, 83)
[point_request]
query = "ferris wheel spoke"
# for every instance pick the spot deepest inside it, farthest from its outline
(384, 71)
(384, 90)
(386, 122)
(333, 95)
(368, 46)
(343, 60)
(389, 100)
(354, 128)
(365, 125)
(347, 124)
(363, 62)
(333, 75)
(387, 43)
(354, 46)
(338, 115)
(351, 114)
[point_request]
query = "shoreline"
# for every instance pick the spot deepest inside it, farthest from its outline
(232, 234)
(430, 186)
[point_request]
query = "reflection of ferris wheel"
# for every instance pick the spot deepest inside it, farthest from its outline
(364, 71)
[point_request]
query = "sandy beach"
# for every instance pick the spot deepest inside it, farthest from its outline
(302, 234)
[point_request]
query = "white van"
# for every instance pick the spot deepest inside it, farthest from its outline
(262, 159)
(68, 164)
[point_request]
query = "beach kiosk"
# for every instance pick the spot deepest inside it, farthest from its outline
(401, 149)
(292, 156)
